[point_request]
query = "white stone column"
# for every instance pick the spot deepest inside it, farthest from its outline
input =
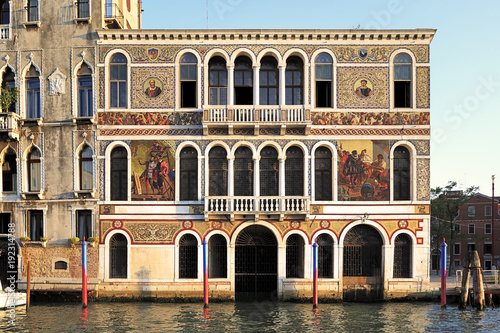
(256, 85)
(230, 181)
(282, 68)
(256, 181)
(281, 177)
(230, 84)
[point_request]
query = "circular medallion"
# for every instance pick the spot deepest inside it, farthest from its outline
(295, 224)
(117, 224)
(187, 224)
(403, 223)
(216, 225)
(325, 224)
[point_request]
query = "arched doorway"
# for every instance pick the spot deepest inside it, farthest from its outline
(9, 252)
(362, 264)
(118, 257)
(256, 264)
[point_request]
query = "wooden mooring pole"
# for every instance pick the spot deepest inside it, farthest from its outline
(28, 285)
(465, 283)
(477, 275)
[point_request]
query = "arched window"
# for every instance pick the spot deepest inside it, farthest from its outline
(189, 74)
(217, 72)
(269, 81)
(188, 257)
(118, 257)
(323, 174)
(217, 257)
(5, 14)
(325, 256)
(402, 256)
(85, 101)
(217, 165)
(295, 257)
(86, 169)
(294, 81)
(294, 172)
(8, 85)
(363, 252)
(33, 110)
(9, 172)
(243, 172)
(324, 80)
(269, 171)
(401, 173)
(189, 174)
(34, 170)
(119, 174)
(118, 81)
(402, 81)
(243, 81)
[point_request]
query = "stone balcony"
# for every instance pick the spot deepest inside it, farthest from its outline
(244, 207)
(9, 125)
(256, 120)
(4, 31)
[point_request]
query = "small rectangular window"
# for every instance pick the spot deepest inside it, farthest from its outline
(456, 249)
(83, 9)
(472, 228)
(471, 211)
(487, 211)
(487, 248)
(471, 247)
(402, 94)
(85, 97)
(83, 224)
(487, 228)
(33, 99)
(32, 11)
(4, 223)
(35, 225)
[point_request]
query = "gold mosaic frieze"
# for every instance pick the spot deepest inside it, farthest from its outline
(423, 87)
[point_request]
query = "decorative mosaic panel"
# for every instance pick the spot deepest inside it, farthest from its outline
(423, 147)
(370, 118)
(149, 118)
(155, 131)
(351, 93)
(102, 89)
(371, 131)
(423, 179)
(423, 87)
(162, 78)
(144, 232)
(145, 54)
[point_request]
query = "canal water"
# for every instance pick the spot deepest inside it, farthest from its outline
(250, 317)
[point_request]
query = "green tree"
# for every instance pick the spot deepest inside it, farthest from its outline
(445, 202)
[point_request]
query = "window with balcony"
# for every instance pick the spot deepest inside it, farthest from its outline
(324, 80)
(86, 168)
(243, 172)
(188, 257)
(189, 74)
(402, 256)
(35, 225)
(118, 81)
(269, 171)
(323, 174)
(85, 100)
(294, 172)
(217, 161)
(82, 9)
(189, 174)
(243, 81)
(295, 257)
(33, 110)
(325, 256)
(33, 11)
(119, 174)
(401, 174)
(217, 257)
(217, 72)
(34, 170)
(269, 81)
(83, 224)
(9, 171)
(9, 87)
(402, 81)
(294, 81)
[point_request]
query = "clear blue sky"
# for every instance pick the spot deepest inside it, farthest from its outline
(465, 73)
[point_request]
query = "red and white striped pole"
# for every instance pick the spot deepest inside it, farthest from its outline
(315, 275)
(84, 274)
(205, 273)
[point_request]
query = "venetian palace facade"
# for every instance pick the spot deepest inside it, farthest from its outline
(260, 142)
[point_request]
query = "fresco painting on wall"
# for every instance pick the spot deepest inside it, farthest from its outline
(153, 170)
(363, 170)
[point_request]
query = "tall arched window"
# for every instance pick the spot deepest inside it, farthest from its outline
(189, 174)
(323, 174)
(402, 81)
(34, 170)
(33, 110)
(86, 169)
(269, 171)
(294, 172)
(217, 257)
(9, 172)
(324, 80)
(188, 257)
(294, 81)
(8, 85)
(217, 165)
(401, 171)
(269, 81)
(402, 256)
(119, 174)
(189, 75)
(118, 263)
(243, 81)
(295, 257)
(85, 100)
(243, 172)
(217, 72)
(325, 256)
(118, 81)
(5, 13)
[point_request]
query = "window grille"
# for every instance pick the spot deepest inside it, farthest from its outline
(217, 160)
(188, 257)
(118, 256)
(294, 172)
(363, 252)
(269, 171)
(323, 174)
(401, 164)
(189, 174)
(325, 256)
(295, 257)
(402, 256)
(243, 172)
(119, 174)
(217, 257)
